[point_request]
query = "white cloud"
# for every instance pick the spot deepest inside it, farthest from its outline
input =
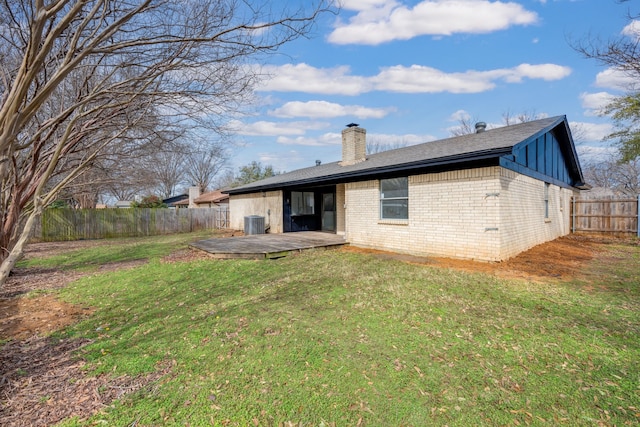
(612, 78)
(589, 141)
(593, 153)
(632, 29)
(305, 78)
(540, 71)
(281, 162)
(590, 132)
(459, 115)
(395, 140)
(594, 103)
(413, 79)
(330, 138)
(324, 109)
(265, 128)
(379, 22)
(422, 79)
(363, 5)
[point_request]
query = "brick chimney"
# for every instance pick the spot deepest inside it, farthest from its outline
(354, 145)
(194, 193)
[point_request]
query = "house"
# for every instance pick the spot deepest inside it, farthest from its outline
(211, 199)
(176, 201)
(122, 204)
(484, 196)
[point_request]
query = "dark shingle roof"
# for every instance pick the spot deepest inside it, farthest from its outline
(477, 146)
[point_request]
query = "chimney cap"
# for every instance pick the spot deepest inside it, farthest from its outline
(318, 162)
(351, 125)
(481, 127)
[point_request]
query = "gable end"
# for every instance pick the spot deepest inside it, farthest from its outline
(549, 156)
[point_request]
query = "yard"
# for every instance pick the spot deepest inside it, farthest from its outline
(143, 332)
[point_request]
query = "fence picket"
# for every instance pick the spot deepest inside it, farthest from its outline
(605, 215)
(78, 224)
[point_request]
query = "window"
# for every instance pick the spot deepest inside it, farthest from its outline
(394, 198)
(546, 200)
(302, 203)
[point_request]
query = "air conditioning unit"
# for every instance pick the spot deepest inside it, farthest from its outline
(253, 224)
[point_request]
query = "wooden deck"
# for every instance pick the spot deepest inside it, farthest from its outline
(267, 246)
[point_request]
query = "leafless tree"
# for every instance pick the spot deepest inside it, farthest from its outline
(509, 118)
(376, 145)
(165, 170)
(205, 165)
(81, 78)
(618, 177)
(622, 55)
(466, 126)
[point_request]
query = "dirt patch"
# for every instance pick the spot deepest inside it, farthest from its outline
(563, 258)
(186, 255)
(41, 384)
(24, 316)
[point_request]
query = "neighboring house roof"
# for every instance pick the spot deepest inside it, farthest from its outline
(491, 147)
(176, 200)
(216, 196)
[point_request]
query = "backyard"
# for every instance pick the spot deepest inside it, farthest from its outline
(145, 332)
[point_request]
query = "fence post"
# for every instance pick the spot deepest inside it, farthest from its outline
(573, 214)
(638, 214)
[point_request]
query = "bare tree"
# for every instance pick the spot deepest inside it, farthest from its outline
(205, 162)
(621, 55)
(375, 145)
(466, 126)
(81, 78)
(509, 118)
(166, 170)
(618, 177)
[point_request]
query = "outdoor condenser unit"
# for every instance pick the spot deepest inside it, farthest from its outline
(253, 224)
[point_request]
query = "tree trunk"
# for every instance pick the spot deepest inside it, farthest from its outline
(18, 249)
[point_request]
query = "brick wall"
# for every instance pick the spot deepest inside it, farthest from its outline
(487, 214)
(268, 204)
(522, 210)
(340, 211)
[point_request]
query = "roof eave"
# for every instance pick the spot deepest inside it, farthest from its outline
(378, 171)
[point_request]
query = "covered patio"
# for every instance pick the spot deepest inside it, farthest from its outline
(268, 246)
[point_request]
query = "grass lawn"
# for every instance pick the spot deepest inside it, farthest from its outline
(340, 338)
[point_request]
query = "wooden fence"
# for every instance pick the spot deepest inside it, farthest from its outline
(78, 224)
(605, 215)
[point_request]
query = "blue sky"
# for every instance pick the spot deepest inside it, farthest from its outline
(406, 70)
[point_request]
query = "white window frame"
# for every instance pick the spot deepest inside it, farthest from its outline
(384, 199)
(546, 200)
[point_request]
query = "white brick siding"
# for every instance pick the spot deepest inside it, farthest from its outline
(487, 214)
